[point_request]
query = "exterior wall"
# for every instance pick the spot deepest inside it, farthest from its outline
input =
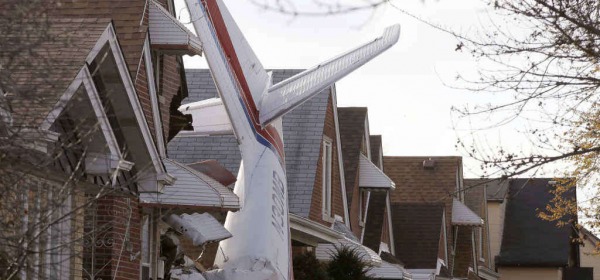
(589, 258)
(171, 84)
(464, 253)
(337, 203)
(527, 273)
(143, 93)
(117, 222)
(496, 225)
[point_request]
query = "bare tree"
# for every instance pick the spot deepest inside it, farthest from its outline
(544, 54)
(44, 188)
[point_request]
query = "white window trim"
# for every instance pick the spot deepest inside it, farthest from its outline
(153, 92)
(390, 226)
(363, 217)
(327, 178)
(339, 155)
(109, 36)
(480, 245)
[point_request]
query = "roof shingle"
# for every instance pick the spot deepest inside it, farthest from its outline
(418, 233)
(528, 240)
(303, 133)
(352, 132)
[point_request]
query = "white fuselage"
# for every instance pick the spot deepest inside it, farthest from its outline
(260, 246)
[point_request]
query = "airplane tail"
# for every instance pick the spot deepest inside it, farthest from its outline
(232, 61)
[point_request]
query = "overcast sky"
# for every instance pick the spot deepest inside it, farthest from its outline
(404, 87)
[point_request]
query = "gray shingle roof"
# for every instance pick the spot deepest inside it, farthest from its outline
(303, 133)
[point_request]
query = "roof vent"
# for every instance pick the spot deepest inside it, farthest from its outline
(429, 164)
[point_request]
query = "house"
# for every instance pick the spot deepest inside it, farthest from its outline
(588, 252)
(530, 247)
(87, 107)
(477, 200)
(318, 205)
(315, 184)
(367, 186)
(431, 189)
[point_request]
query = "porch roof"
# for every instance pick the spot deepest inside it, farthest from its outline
(463, 216)
(192, 189)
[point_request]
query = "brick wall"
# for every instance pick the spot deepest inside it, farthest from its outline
(113, 225)
(337, 203)
(143, 93)
(464, 253)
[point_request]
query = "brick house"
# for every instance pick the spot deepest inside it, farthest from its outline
(433, 182)
(91, 102)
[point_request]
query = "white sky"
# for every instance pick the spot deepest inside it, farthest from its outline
(404, 87)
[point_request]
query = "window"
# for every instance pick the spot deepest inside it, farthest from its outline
(327, 165)
(362, 207)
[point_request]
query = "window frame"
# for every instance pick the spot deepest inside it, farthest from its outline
(327, 179)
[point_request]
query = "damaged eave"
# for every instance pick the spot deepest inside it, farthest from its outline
(371, 177)
(192, 190)
(169, 35)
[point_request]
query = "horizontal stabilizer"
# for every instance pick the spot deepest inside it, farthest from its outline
(290, 93)
(208, 116)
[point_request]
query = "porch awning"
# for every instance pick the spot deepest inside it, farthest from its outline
(311, 233)
(463, 216)
(325, 252)
(169, 34)
(371, 177)
(388, 271)
(192, 190)
(200, 228)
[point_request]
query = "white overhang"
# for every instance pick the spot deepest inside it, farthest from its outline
(199, 228)
(463, 216)
(387, 271)
(325, 252)
(169, 35)
(311, 233)
(371, 177)
(191, 190)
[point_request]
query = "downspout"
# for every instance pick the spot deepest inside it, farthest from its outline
(454, 249)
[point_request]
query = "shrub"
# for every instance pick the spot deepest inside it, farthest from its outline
(307, 267)
(346, 264)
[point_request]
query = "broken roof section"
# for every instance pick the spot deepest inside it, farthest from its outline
(199, 228)
(192, 190)
(169, 34)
